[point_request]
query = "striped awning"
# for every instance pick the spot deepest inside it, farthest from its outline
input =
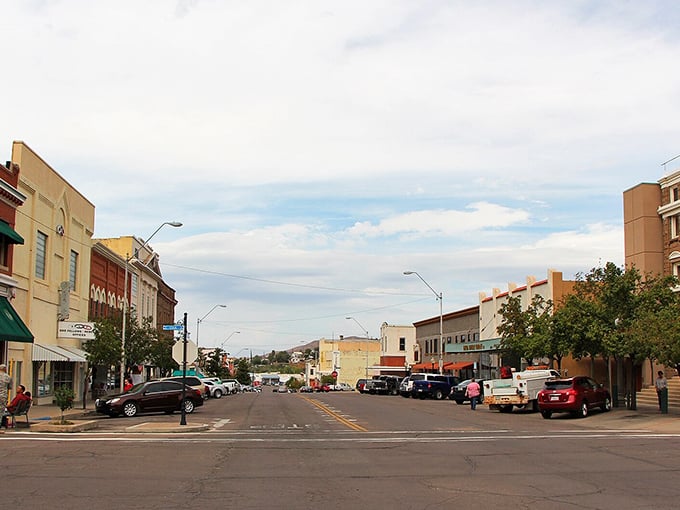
(56, 353)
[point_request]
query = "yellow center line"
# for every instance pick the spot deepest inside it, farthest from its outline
(335, 415)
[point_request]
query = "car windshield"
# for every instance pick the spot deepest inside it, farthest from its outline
(417, 377)
(558, 385)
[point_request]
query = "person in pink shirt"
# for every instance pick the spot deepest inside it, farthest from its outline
(472, 392)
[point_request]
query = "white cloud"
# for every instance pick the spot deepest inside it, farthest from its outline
(337, 144)
(440, 222)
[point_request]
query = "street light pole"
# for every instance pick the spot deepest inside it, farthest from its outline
(367, 340)
(230, 335)
(441, 320)
(198, 321)
(128, 258)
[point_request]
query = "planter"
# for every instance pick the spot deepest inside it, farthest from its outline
(73, 426)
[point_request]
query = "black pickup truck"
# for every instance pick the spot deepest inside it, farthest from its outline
(383, 384)
(436, 387)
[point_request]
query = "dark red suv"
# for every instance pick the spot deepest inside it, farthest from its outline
(576, 395)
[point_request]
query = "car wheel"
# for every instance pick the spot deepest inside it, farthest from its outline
(217, 394)
(583, 411)
(130, 409)
(394, 391)
(607, 406)
(189, 406)
(438, 395)
(546, 414)
(460, 402)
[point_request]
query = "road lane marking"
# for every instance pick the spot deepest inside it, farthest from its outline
(335, 415)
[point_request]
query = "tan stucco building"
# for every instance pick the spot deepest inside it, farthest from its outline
(52, 273)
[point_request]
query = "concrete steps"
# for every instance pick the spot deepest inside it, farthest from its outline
(648, 395)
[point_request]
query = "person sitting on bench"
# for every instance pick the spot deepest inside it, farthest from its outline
(14, 404)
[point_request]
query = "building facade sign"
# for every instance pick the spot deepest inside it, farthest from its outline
(480, 346)
(81, 330)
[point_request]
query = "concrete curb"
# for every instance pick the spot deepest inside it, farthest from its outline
(166, 428)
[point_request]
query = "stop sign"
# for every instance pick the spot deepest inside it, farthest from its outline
(178, 352)
(334, 374)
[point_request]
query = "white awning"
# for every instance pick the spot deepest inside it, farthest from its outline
(78, 352)
(56, 353)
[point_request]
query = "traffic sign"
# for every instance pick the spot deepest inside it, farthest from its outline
(178, 352)
(334, 374)
(172, 327)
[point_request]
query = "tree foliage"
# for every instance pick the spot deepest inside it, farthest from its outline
(213, 364)
(611, 312)
(242, 371)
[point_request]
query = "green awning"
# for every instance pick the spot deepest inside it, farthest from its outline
(12, 328)
(8, 231)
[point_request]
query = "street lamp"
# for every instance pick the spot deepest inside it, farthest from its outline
(441, 320)
(366, 331)
(198, 321)
(230, 335)
(128, 258)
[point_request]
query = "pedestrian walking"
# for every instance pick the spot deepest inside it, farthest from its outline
(661, 385)
(472, 392)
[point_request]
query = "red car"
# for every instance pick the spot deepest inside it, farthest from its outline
(576, 395)
(323, 387)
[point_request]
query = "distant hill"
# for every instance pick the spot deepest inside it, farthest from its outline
(313, 345)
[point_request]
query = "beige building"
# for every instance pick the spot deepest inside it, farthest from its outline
(52, 270)
(651, 218)
(143, 272)
(398, 346)
(552, 288)
(351, 357)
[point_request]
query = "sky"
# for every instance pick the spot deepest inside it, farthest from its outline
(316, 150)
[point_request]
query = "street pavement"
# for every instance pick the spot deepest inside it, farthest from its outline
(646, 417)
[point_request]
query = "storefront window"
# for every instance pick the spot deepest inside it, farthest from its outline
(42, 372)
(63, 373)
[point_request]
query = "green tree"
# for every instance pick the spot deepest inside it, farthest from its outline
(294, 383)
(63, 397)
(160, 355)
(282, 357)
(535, 332)
(138, 340)
(214, 366)
(105, 347)
(242, 371)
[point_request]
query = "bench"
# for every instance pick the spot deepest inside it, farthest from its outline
(22, 410)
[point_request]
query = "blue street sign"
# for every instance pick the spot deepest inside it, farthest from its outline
(172, 327)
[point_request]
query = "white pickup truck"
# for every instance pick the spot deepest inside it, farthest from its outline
(520, 391)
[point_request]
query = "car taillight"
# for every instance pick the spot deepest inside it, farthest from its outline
(197, 393)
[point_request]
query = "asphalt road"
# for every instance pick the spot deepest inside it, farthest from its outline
(347, 451)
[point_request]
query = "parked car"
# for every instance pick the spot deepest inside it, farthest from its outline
(576, 395)
(458, 391)
(193, 381)
(361, 383)
(436, 387)
(323, 388)
(216, 388)
(150, 396)
(382, 385)
(306, 389)
(232, 385)
(406, 385)
(343, 386)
